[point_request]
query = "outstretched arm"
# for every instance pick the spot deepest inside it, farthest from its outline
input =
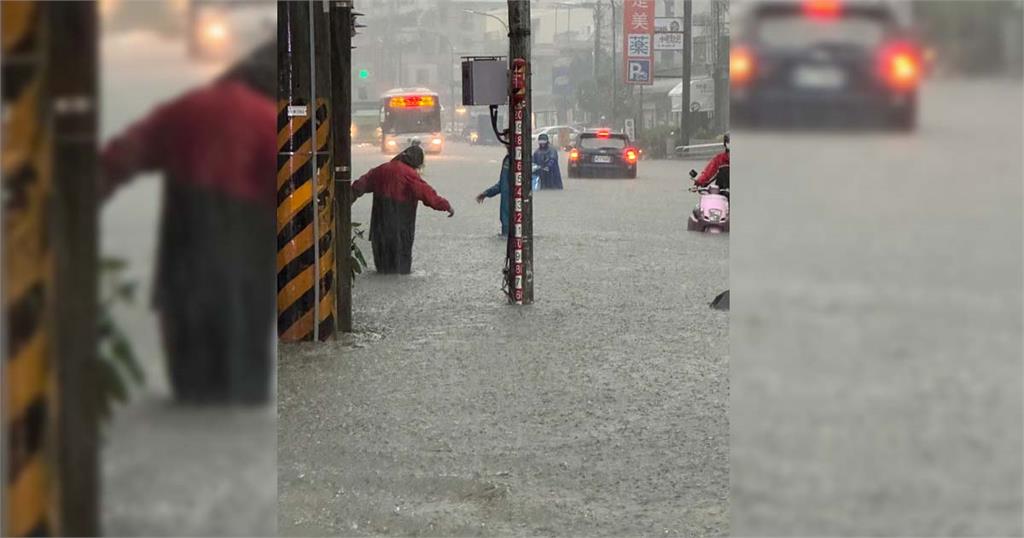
(137, 149)
(426, 194)
(364, 184)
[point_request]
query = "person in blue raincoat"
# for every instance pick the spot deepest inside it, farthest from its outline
(504, 188)
(546, 157)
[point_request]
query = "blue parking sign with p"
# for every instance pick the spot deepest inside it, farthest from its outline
(638, 71)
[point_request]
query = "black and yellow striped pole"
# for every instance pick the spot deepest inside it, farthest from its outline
(28, 380)
(48, 171)
(305, 190)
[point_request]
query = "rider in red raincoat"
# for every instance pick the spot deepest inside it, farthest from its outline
(717, 170)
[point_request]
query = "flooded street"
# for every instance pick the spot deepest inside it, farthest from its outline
(601, 409)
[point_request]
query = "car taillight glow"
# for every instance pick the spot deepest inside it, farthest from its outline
(822, 9)
(630, 155)
(741, 65)
(574, 155)
(900, 66)
(603, 134)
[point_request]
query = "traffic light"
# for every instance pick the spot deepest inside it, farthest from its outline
(364, 74)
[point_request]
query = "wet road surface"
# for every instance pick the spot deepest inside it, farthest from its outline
(601, 409)
(876, 324)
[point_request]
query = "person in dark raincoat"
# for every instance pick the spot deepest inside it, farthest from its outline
(214, 285)
(504, 188)
(397, 190)
(546, 157)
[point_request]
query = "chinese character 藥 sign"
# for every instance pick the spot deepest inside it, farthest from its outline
(638, 44)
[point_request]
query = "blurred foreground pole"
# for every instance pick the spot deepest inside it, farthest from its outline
(305, 223)
(342, 28)
(720, 14)
(73, 64)
(684, 102)
(520, 237)
(49, 269)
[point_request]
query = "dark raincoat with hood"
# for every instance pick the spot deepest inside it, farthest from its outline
(546, 158)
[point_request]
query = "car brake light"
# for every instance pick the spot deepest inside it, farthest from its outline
(741, 65)
(821, 9)
(630, 155)
(574, 155)
(900, 66)
(603, 133)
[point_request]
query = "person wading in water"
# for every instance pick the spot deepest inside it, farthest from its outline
(397, 190)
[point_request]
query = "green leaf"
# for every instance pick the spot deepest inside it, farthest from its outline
(112, 383)
(126, 291)
(125, 356)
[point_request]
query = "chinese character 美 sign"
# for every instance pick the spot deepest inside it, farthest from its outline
(638, 41)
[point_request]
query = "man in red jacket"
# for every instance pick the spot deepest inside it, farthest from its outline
(397, 189)
(214, 286)
(717, 170)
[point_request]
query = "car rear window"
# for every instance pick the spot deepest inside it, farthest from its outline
(797, 31)
(593, 142)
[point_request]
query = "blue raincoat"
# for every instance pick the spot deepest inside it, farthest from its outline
(504, 188)
(548, 158)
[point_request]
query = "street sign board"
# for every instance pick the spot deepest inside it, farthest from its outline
(638, 37)
(638, 71)
(668, 24)
(673, 41)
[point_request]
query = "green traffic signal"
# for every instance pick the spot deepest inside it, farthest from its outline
(363, 73)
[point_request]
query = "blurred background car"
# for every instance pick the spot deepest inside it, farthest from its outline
(602, 153)
(217, 29)
(825, 61)
(561, 136)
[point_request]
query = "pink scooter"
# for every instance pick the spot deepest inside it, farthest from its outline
(712, 212)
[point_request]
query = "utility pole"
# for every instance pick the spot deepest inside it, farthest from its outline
(684, 105)
(50, 446)
(615, 80)
(720, 9)
(597, 40)
(520, 238)
(343, 25)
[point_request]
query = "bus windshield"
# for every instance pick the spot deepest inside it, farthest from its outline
(415, 114)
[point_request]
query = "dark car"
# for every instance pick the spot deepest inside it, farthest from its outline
(824, 62)
(602, 153)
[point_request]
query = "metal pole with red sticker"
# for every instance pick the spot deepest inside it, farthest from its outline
(519, 112)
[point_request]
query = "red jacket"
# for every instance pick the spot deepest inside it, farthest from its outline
(710, 172)
(401, 183)
(220, 136)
